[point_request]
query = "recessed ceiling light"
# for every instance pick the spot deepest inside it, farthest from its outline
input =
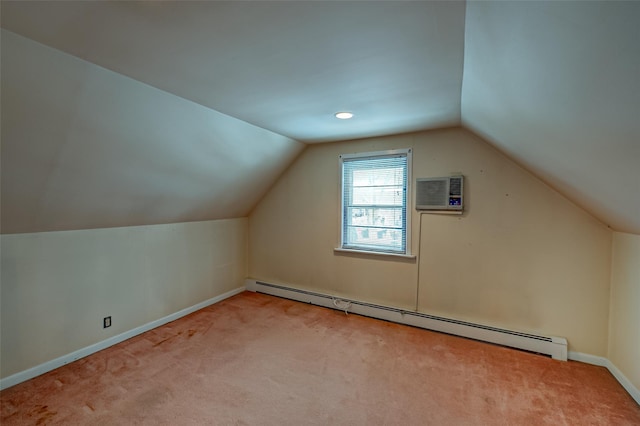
(344, 115)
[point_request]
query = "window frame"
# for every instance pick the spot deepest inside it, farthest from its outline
(405, 152)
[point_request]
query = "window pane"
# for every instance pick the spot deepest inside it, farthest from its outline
(374, 216)
(372, 195)
(378, 176)
(374, 204)
(375, 238)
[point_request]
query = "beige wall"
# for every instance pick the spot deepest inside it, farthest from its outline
(624, 331)
(57, 286)
(521, 257)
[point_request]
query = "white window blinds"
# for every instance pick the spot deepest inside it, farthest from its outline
(374, 202)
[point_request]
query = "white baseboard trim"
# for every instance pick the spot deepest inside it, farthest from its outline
(605, 362)
(45, 367)
(588, 358)
(556, 347)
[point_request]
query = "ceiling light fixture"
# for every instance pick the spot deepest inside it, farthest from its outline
(344, 115)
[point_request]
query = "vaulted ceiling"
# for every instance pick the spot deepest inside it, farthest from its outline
(124, 113)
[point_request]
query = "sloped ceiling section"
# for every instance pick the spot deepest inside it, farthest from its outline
(556, 85)
(284, 66)
(84, 147)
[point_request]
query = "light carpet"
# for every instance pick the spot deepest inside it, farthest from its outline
(260, 360)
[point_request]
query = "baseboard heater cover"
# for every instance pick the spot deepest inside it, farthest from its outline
(556, 347)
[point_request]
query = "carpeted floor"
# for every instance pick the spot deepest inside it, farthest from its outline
(259, 360)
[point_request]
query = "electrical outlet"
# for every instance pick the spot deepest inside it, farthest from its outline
(106, 322)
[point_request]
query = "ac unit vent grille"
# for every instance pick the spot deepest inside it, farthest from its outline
(433, 192)
(443, 193)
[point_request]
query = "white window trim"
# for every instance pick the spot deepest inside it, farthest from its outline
(375, 253)
(409, 211)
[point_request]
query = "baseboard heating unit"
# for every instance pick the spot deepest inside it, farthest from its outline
(556, 347)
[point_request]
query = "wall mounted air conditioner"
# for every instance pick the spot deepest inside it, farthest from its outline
(442, 193)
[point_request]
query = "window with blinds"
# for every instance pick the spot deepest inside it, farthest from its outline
(374, 201)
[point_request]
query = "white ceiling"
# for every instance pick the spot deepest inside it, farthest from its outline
(284, 66)
(554, 85)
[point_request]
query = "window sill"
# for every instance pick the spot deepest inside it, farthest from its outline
(375, 253)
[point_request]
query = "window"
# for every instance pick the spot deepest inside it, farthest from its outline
(375, 201)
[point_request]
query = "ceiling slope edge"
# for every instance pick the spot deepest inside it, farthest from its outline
(84, 147)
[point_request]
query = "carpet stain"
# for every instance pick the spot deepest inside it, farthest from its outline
(152, 398)
(121, 363)
(162, 341)
(43, 414)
